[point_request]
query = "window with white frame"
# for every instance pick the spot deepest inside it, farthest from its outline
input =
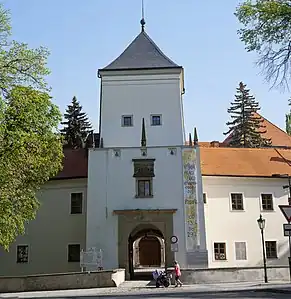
(271, 249)
(156, 120)
(220, 251)
(237, 202)
(240, 251)
(267, 202)
(127, 121)
(22, 254)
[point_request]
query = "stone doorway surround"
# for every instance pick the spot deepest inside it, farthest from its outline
(133, 224)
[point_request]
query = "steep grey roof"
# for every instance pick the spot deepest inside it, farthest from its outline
(142, 53)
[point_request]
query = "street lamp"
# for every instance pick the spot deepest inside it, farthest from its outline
(262, 223)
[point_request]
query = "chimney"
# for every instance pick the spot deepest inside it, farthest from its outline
(214, 143)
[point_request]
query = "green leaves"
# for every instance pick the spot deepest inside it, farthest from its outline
(30, 153)
(20, 65)
(267, 31)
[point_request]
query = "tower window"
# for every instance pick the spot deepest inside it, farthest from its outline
(127, 121)
(156, 120)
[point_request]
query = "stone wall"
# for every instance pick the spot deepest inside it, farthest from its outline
(62, 281)
(220, 275)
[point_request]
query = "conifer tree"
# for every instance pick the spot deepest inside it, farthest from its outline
(246, 127)
(76, 125)
(288, 120)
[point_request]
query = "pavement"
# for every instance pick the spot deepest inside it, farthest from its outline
(145, 289)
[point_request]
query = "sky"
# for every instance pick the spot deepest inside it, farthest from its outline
(85, 35)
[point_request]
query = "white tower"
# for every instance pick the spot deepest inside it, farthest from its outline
(141, 83)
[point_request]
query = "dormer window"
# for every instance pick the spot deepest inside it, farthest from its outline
(127, 121)
(156, 120)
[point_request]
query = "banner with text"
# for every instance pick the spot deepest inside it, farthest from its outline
(190, 202)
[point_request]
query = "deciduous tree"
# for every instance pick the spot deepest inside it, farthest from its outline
(266, 30)
(30, 154)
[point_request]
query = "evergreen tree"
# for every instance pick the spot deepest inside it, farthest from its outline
(246, 127)
(288, 120)
(76, 127)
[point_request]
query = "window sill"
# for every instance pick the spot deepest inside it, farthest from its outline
(73, 261)
(237, 211)
(272, 258)
(267, 211)
(225, 260)
(150, 196)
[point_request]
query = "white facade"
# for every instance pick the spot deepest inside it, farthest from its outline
(225, 225)
(142, 94)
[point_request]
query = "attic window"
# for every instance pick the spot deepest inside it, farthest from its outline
(127, 121)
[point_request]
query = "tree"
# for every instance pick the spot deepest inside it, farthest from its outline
(77, 126)
(267, 31)
(19, 65)
(246, 128)
(30, 154)
(288, 120)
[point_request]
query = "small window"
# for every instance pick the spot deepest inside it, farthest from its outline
(237, 202)
(271, 249)
(22, 254)
(267, 202)
(144, 187)
(156, 120)
(77, 203)
(74, 253)
(220, 251)
(204, 197)
(240, 251)
(127, 121)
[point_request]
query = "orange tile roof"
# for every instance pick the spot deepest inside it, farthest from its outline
(251, 162)
(278, 136)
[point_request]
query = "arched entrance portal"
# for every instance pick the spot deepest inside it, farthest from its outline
(145, 248)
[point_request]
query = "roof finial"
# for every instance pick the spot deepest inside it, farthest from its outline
(195, 137)
(142, 21)
(143, 135)
(190, 140)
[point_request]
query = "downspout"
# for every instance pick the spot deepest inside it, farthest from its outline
(100, 106)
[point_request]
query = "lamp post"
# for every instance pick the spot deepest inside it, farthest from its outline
(262, 223)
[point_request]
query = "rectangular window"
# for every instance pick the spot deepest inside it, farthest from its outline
(74, 253)
(22, 253)
(267, 202)
(144, 187)
(127, 121)
(77, 203)
(240, 251)
(220, 251)
(271, 249)
(156, 120)
(204, 197)
(237, 202)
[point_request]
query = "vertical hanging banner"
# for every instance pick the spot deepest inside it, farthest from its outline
(190, 202)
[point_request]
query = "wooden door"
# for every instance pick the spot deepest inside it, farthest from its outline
(150, 252)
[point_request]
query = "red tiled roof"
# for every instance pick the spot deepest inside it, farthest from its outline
(252, 162)
(75, 164)
(278, 136)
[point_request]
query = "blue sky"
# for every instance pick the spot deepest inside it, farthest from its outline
(200, 35)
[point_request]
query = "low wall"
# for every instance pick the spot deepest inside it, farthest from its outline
(62, 281)
(219, 275)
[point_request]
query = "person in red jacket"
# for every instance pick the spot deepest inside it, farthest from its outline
(177, 274)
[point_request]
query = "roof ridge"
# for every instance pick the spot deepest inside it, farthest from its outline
(157, 47)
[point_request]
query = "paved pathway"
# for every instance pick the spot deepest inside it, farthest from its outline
(144, 289)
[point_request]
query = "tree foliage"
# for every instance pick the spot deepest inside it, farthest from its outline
(246, 127)
(19, 65)
(30, 153)
(76, 125)
(266, 30)
(288, 120)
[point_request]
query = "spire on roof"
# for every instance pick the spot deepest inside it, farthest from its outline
(143, 134)
(190, 140)
(142, 21)
(195, 137)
